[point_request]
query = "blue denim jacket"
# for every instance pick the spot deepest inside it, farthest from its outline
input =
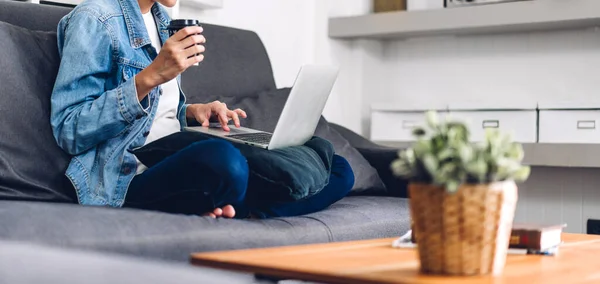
(96, 116)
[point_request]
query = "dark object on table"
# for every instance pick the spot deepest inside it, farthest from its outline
(535, 237)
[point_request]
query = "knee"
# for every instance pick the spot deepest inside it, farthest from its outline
(343, 171)
(228, 163)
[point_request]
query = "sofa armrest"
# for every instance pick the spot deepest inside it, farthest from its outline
(380, 157)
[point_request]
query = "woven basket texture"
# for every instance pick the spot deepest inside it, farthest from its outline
(465, 233)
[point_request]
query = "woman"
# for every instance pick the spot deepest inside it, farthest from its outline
(118, 89)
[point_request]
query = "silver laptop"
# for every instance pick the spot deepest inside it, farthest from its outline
(300, 115)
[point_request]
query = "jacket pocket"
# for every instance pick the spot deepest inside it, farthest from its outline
(128, 72)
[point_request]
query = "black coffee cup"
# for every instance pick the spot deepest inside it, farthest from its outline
(179, 24)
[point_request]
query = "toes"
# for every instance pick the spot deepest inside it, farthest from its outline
(218, 212)
(228, 211)
(211, 215)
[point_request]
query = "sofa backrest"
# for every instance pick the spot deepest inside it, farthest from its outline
(32, 16)
(236, 64)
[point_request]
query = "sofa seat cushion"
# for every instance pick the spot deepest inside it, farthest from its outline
(23, 263)
(174, 237)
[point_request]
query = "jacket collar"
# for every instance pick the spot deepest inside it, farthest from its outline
(138, 36)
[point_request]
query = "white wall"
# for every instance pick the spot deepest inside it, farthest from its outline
(285, 27)
(345, 103)
(520, 67)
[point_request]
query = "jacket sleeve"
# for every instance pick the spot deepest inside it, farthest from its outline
(183, 120)
(85, 114)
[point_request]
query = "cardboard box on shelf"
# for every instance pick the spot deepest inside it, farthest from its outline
(380, 6)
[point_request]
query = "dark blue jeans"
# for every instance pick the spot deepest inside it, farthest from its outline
(212, 173)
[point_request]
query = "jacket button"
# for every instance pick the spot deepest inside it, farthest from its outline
(146, 133)
(126, 170)
(139, 116)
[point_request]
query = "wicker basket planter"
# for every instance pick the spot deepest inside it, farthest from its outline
(463, 196)
(465, 233)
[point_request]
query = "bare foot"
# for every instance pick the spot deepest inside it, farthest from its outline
(225, 212)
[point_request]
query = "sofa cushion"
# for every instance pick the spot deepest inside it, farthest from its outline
(264, 110)
(236, 64)
(32, 166)
(22, 263)
(32, 16)
(174, 237)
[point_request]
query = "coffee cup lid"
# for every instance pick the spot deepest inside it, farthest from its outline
(180, 23)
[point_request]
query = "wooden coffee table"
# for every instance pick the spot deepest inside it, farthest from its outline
(375, 261)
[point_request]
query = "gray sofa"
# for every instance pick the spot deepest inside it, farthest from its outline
(37, 204)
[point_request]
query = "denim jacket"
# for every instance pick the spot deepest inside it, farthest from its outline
(96, 115)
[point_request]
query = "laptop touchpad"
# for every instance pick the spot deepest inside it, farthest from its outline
(234, 131)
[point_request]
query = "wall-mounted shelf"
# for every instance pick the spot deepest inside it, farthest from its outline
(536, 15)
(548, 155)
(202, 4)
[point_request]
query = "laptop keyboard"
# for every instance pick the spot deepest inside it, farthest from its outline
(258, 138)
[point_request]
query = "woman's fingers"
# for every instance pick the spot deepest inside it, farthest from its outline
(222, 114)
(205, 120)
(203, 116)
(240, 112)
(235, 117)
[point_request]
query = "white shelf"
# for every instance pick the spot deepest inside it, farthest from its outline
(202, 4)
(528, 16)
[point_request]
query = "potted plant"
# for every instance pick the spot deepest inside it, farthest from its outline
(462, 196)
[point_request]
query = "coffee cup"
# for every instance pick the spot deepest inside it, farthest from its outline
(179, 24)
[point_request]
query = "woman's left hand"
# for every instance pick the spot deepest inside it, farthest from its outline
(203, 112)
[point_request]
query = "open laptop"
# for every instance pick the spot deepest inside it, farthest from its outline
(300, 115)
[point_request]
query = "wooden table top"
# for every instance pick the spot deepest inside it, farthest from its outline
(375, 261)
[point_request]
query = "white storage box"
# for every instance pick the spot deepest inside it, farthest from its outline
(519, 119)
(569, 122)
(415, 5)
(394, 123)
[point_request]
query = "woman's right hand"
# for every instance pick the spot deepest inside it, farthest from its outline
(177, 54)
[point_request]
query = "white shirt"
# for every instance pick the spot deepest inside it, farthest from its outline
(165, 122)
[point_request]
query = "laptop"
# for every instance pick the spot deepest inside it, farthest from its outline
(299, 118)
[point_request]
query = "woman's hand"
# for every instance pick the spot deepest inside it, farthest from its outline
(203, 112)
(177, 54)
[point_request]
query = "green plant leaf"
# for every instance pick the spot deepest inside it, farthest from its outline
(452, 186)
(522, 174)
(432, 119)
(430, 163)
(443, 155)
